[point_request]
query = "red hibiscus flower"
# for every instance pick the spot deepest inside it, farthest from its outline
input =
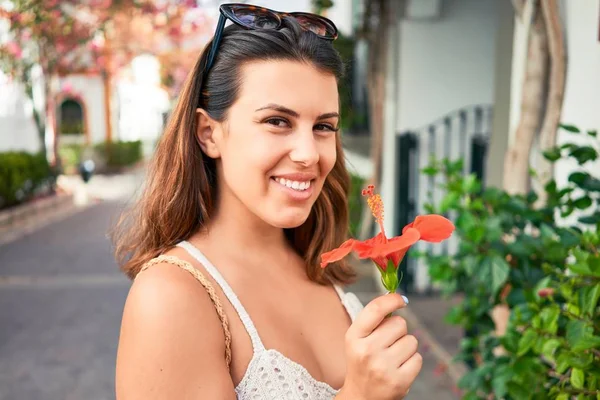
(389, 252)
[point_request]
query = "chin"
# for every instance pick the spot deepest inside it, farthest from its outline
(289, 219)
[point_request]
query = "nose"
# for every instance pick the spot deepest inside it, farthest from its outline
(305, 148)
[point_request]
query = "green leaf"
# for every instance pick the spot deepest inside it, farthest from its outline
(549, 319)
(584, 154)
(494, 271)
(562, 363)
(502, 375)
(470, 380)
(526, 341)
(588, 298)
(517, 391)
(470, 264)
(454, 315)
(580, 267)
(563, 396)
(577, 378)
(578, 360)
(430, 170)
(578, 177)
(549, 348)
(552, 154)
(592, 133)
(470, 184)
(451, 200)
(587, 343)
(576, 330)
(591, 219)
(583, 202)
(466, 221)
(570, 128)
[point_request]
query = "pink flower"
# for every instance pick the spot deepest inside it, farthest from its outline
(14, 49)
(546, 292)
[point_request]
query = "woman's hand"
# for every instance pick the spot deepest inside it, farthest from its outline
(382, 359)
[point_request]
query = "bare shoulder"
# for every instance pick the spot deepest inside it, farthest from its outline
(171, 343)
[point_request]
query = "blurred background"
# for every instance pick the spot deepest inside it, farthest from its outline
(485, 111)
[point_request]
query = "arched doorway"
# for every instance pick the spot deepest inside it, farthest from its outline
(71, 121)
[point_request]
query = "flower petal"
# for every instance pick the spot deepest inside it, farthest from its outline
(339, 253)
(394, 247)
(432, 227)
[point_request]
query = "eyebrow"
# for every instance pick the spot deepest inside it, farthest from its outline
(285, 110)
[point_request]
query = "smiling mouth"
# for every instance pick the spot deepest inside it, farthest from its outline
(299, 186)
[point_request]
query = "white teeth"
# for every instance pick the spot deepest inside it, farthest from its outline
(296, 185)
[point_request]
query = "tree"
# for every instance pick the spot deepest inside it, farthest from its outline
(542, 94)
(69, 36)
(545, 67)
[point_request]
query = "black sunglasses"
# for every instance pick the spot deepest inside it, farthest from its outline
(255, 17)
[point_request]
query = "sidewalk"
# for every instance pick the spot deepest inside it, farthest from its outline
(438, 341)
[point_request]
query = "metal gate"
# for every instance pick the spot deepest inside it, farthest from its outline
(462, 134)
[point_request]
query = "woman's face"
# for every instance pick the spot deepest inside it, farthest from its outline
(278, 143)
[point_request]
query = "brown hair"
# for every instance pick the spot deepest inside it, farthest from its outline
(179, 197)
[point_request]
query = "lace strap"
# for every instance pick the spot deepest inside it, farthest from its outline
(209, 288)
(257, 344)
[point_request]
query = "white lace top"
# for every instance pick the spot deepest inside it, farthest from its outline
(271, 375)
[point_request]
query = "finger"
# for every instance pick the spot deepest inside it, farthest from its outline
(374, 312)
(408, 372)
(389, 331)
(403, 349)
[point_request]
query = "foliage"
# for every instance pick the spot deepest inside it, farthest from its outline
(22, 175)
(92, 36)
(109, 157)
(355, 203)
(514, 252)
(120, 154)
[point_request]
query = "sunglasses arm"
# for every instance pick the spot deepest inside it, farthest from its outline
(216, 41)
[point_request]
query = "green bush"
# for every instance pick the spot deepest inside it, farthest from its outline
(22, 175)
(120, 154)
(355, 203)
(514, 252)
(70, 156)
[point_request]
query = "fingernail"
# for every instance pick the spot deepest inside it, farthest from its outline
(405, 299)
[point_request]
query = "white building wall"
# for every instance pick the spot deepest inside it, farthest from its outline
(17, 127)
(582, 92)
(582, 88)
(91, 90)
(444, 61)
(443, 64)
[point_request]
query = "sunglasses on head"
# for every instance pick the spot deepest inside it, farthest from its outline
(255, 17)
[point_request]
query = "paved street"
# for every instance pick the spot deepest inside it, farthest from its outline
(62, 297)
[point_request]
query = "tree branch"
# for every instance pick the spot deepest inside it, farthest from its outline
(519, 6)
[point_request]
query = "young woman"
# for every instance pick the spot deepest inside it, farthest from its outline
(247, 189)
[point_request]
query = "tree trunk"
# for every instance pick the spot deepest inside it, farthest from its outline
(516, 164)
(516, 177)
(378, 45)
(558, 69)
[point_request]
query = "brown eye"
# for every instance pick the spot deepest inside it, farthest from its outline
(278, 122)
(325, 128)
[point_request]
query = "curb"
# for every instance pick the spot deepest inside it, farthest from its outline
(24, 219)
(455, 370)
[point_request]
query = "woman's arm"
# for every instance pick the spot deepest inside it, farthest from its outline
(172, 344)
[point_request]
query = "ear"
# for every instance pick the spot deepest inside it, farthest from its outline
(207, 133)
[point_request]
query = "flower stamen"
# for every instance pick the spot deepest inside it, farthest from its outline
(375, 204)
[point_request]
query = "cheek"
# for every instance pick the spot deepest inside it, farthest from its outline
(248, 159)
(328, 155)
